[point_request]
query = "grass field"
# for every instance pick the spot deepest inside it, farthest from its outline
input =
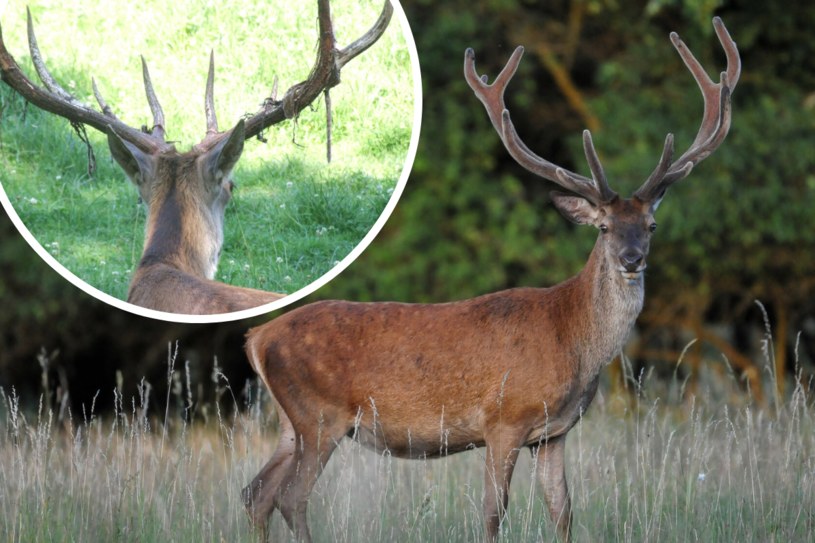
(642, 466)
(293, 216)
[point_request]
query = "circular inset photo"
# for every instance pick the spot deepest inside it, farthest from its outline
(205, 162)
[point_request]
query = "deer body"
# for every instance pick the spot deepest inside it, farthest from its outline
(509, 370)
(506, 370)
(186, 194)
(463, 368)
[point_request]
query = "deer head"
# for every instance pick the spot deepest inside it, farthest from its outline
(625, 224)
(186, 193)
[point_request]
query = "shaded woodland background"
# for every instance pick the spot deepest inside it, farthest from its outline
(741, 228)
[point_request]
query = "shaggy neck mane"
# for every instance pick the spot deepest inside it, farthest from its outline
(614, 306)
(178, 232)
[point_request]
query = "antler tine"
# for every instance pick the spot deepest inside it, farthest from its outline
(664, 160)
(716, 118)
(599, 176)
(344, 56)
(102, 104)
(152, 99)
(39, 65)
(209, 101)
(55, 99)
(324, 75)
(491, 96)
(731, 52)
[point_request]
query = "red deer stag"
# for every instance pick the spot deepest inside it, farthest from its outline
(186, 193)
(507, 370)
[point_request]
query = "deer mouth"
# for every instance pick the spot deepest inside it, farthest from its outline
(632, 275)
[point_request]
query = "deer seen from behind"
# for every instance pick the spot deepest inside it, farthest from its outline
(507, 371)
(186, 193)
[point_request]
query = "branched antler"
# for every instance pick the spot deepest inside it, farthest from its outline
(325, 73)
(715, 125)
(715, 119)
(55, 99)
(596, 190)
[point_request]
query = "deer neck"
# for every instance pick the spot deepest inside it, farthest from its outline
(183, 234)
(614, 304)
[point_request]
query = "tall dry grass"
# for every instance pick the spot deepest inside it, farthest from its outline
(653, 464)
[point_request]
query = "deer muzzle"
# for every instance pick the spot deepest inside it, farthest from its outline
(632, 263)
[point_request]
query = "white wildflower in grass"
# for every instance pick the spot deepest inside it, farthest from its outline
(279, 260)
(289, 184)
(33, 201)
(287, 279)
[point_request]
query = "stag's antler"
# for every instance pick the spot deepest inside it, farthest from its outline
(55, 99)
(715, 120)
(714, 128)
(325, 73)
(595, 190)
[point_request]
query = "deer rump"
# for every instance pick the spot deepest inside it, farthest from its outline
(424, 380)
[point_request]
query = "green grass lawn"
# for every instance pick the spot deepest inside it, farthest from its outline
(293, 216)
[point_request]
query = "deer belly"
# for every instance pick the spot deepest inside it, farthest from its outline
(421, 437)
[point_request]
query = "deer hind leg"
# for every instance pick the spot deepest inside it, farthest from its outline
(286, 480)
(313, 449)
(262, 495)
(502, 452)
(551, 469)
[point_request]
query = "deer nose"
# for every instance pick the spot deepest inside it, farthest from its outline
(631, 260)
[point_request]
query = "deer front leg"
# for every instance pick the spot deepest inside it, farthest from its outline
(551, 469)
(502, 452)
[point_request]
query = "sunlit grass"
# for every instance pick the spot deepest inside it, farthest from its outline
(97, 223)
(644, 465)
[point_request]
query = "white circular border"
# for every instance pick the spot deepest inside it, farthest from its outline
(293, 297)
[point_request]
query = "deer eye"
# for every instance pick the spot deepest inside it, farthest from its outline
(603, 228)
(652, 227)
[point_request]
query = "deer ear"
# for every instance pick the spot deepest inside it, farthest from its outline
(576, 209)
(219, 161)
(136, 163)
